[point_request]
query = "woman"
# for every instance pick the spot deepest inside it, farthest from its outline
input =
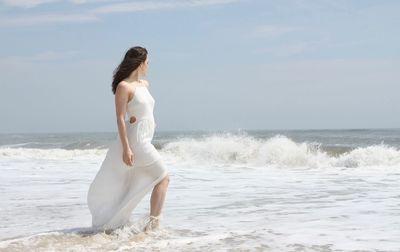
(132, 166)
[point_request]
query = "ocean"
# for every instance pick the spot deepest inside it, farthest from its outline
(241, 190)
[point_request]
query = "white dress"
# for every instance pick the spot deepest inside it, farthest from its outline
(117, 188)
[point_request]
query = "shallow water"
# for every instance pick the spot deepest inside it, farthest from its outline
(227, 192)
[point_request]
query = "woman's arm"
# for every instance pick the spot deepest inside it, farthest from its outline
(121, 100)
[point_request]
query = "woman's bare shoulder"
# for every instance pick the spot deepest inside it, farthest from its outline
(123, 86)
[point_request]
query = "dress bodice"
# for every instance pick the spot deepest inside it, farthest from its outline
(141, 105)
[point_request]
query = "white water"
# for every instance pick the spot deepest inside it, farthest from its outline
(226, 192)
(228, 149)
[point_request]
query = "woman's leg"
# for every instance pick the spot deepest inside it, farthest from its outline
(158, 196)
(156, 204)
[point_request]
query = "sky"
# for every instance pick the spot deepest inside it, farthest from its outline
(213, 64)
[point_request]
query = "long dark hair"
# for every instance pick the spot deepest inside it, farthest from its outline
(132, 60)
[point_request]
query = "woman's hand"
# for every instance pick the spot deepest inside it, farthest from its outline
(128, 157)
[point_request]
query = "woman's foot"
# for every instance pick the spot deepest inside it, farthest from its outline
(153, 224)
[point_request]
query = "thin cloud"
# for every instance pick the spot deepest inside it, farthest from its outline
(47, 18)
(316, 7)
(133, 7)
(80, 2)
(26, 3)
(289, 49)
(211, 2)
(42, 56)
(91, 15)
(269, 31)
(155, 5)
(339, 71)
(294, 47)
(35, 3)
